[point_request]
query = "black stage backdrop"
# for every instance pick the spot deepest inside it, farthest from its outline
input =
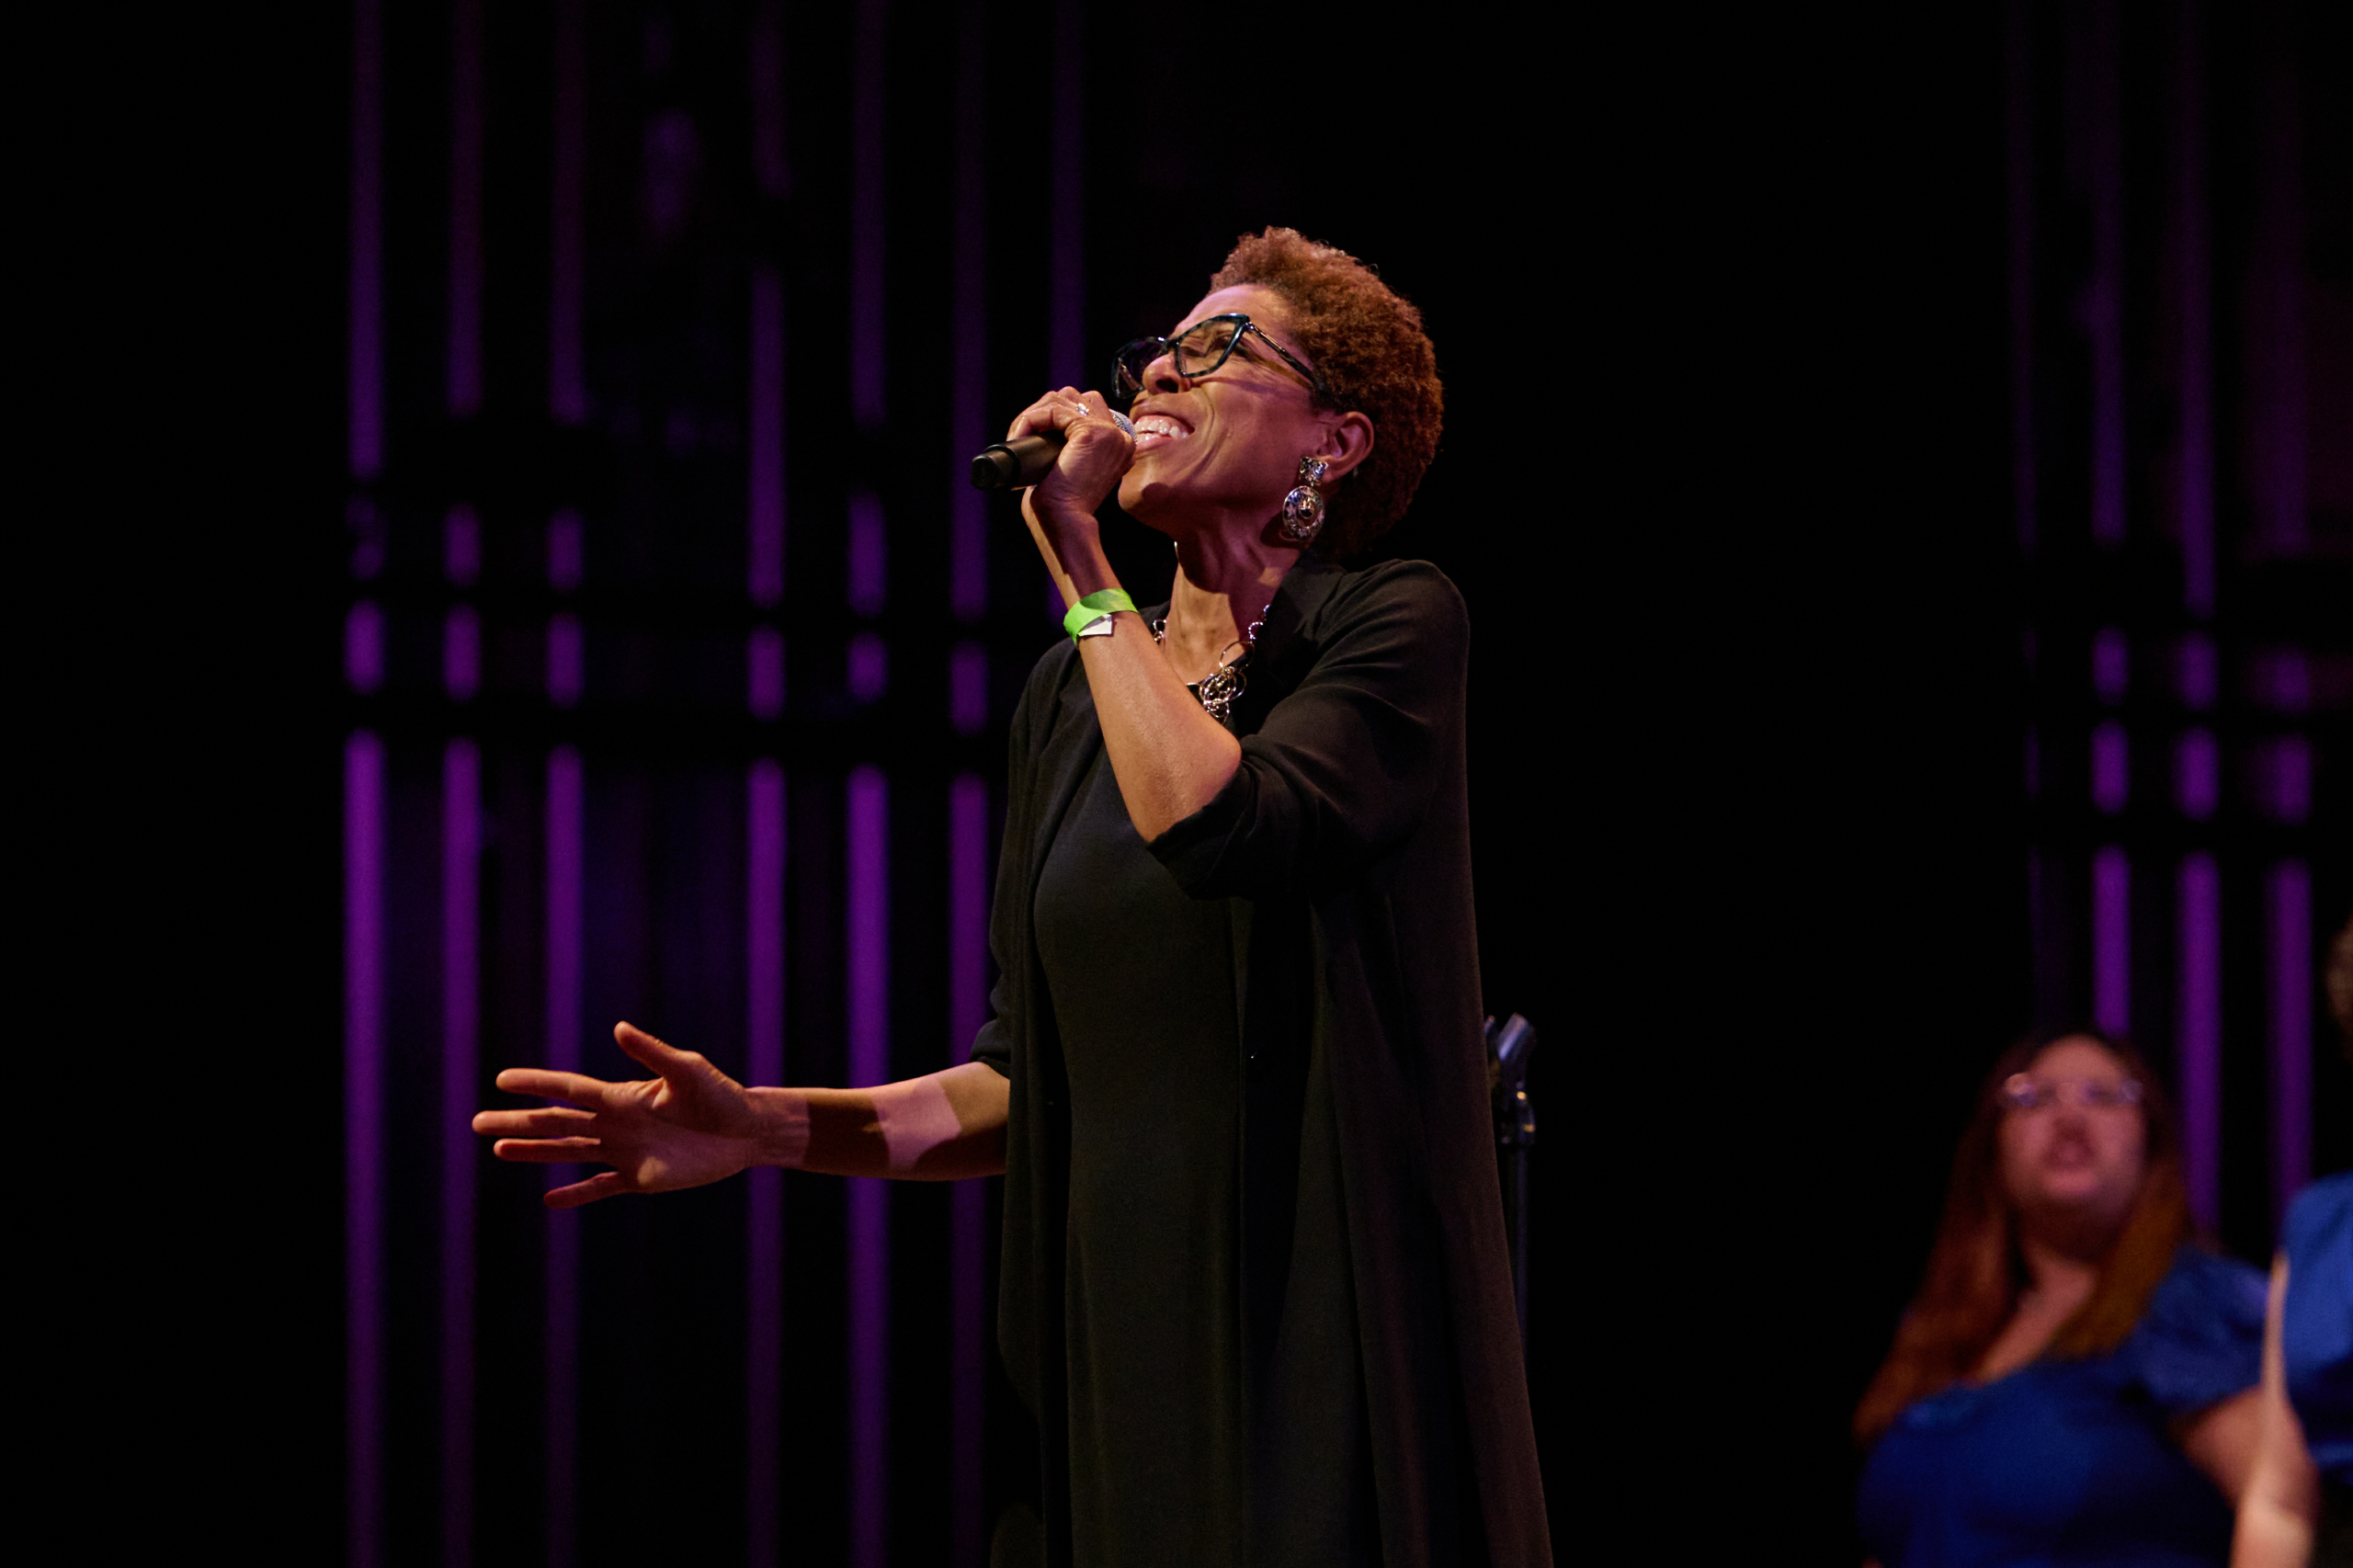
(1727, 481)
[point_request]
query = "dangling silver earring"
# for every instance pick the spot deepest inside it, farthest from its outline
(1302, 516)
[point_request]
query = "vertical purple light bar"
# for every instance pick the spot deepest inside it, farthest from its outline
(567, 275)
(2112, 940)
(869, 1258)
(2275, 333)
(968, 594)
(968, 1003)
(464, 388)
(866, 215)
(765, 401)
(460, 1009)
(767, 408)
(2197, 894)
(363, 790)
(2194, 263)
(2288, 901)
(2019, 140)
(564, 808)
(764, 1064)
(2199, 1023)
(366, 386)
(764, 808)
(363, 1113)
(2104, 303)
(1065, 220)
(461, 809)
(968, 556)
(1065, 259)
(568, 404)
(868, 544)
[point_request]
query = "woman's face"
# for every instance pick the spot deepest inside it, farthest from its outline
(1228, 442)
(2076, 1158)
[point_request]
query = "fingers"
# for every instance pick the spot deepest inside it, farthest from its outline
(1058, 410)
(647, 1052)
(574, 1089)
(606, 1184)
(551, 1121)
(547, 1150)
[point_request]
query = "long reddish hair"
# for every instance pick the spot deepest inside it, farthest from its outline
(1975, 1272)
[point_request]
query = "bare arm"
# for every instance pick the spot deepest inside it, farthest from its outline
(2279, 1509)
(1170, 757)
(944, 1126)
(692, 1125)
(2220, 1441)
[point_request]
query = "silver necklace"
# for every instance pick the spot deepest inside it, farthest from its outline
(1217, 689)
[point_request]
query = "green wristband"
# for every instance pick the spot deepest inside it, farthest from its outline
(1098, 605)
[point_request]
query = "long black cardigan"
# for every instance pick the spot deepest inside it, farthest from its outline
(1342, 845)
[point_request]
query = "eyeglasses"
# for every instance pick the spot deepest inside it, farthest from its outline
(1197, 350)
(2022, 1092)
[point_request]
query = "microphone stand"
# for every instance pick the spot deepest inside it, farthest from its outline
(1509, 1047)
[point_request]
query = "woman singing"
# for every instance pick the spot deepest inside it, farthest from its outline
(1255, 1285)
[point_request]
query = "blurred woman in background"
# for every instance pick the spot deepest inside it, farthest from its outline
(2299, 1503)
(2076, 1381)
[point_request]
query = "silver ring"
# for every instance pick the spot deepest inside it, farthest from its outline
(1083, 412)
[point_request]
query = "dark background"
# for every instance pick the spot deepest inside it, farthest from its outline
(1722, 305)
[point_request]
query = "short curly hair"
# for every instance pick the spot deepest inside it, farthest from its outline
(1369, 346)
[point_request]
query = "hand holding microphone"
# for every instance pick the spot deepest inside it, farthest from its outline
(1026, 459)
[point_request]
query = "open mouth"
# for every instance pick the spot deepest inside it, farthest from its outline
(1158, 429)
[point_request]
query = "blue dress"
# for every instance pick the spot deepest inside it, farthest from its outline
(2316, 1322)
(2071, 1462)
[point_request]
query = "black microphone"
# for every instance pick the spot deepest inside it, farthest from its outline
(1026, 459)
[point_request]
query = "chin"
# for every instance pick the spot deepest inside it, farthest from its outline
(1145, 501)
(2077, 1192)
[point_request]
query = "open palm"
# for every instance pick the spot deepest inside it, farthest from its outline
(689, 1126)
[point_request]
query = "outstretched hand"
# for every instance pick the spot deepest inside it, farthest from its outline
(689, 1126)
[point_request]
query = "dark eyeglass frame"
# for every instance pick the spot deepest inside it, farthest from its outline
(1128, 383)
(2020, 1091)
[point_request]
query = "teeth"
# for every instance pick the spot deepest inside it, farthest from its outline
(1155, 425)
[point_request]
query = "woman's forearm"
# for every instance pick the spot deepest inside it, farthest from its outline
(1170, 757)
(2280, 1504)
(943, 1126)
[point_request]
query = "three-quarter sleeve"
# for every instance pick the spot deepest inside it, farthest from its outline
(1008, 907)
(1345, 764)
(2201, 1340)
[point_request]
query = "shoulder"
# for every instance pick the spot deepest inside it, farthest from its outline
(1394, 605)
(1416, 588)
(2202, 1339)
(2203, 1290)
(2320, 1210)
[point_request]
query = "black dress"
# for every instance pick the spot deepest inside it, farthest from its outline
(1255, 1284)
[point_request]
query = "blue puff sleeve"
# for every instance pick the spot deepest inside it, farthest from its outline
(2316, 1321)
(2201, 1339)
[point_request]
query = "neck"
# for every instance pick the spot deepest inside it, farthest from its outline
(2058, 1272)
(1223, 580)
(2059, 1278)
(2062, 1253)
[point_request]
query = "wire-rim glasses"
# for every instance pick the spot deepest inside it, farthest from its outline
(1200, 349)
(2020, 1091)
